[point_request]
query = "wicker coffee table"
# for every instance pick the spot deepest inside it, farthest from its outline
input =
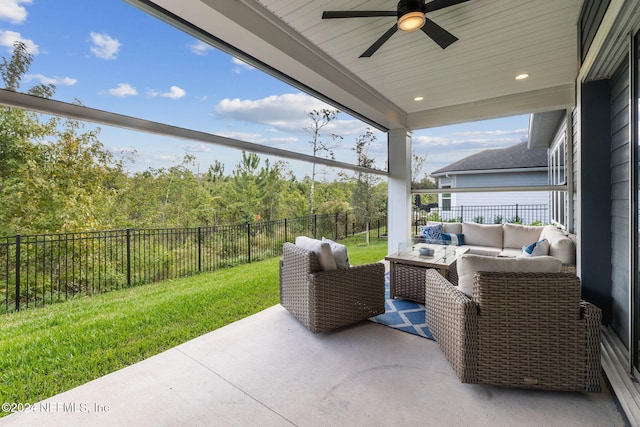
(407, 269)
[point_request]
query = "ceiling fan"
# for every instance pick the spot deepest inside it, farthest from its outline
(411, 17)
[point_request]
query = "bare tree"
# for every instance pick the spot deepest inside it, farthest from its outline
(319, 120)
(417, 163)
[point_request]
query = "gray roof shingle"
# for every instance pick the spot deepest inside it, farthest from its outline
(515, 157)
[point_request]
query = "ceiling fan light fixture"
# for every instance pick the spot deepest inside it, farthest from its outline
(411, 21)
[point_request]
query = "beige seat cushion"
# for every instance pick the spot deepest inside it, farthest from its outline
(483, 250)
(321, 249)
(510, 252)
(469, 264)
(482, 234)
(516, 236)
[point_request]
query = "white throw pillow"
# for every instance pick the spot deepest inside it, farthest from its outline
(321, 249)
(339, 252)
(469, 264)
(539, 248)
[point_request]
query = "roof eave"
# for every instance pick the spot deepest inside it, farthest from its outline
(438, 174)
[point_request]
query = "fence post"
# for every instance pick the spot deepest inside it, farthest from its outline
(128, 257)
(346, 224)
(199, 249)
(18, 272)
(286, 238)
(516, 218)
(249, 242)
(315, 226)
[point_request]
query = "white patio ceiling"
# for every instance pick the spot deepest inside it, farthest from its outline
(473, 79)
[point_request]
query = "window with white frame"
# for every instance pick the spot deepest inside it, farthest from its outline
(558, 202)
(446, 199)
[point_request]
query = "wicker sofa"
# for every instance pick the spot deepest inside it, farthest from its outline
(327, 299)
(526, 330)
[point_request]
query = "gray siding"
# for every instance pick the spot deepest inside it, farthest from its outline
(590, 18)
(501, 179)
(620, 174)
(574, 176)
(504, 198)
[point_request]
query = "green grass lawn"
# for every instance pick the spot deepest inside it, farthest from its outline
(49, 350)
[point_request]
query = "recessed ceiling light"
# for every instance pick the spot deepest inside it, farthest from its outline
(522, 76)
(418, 98)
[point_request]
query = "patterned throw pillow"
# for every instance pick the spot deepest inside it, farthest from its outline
(432, 232)
(539, 248)
(453, 239)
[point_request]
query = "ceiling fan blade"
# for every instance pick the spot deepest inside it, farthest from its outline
(391, 31)
(357, 14)
(439, 35)
(441, 4)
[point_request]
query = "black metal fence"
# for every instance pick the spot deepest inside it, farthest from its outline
(37, 270)
(497, 214)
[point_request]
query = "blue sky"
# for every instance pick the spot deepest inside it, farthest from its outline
(111, 56)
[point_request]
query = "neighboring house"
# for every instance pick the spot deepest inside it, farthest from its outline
(517, 165)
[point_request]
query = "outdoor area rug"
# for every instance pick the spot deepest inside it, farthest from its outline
(404, 315)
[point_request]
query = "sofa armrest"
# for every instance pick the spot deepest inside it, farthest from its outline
(592, 317)
(295, 267)
(453, 320)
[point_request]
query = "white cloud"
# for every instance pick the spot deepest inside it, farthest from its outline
(241, 65)
(104, 46)
(448, 148)
(285, 113)
(63, 81)
(283, 140)
(495, 132)
(9, 38)
(13, 11)
(122, 90)
(242, 136)
(258, 138)
(200, 48)
(197, 148)
(175, 92)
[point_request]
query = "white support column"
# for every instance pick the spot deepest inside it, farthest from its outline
(399, 208)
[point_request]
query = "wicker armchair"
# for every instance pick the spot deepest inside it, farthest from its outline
(527, 330)
(324, 300)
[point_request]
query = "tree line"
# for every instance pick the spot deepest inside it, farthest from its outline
(56, 176)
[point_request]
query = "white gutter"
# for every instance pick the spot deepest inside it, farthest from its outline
(485, 171)
(489, 189)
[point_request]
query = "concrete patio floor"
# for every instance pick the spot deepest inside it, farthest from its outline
(268, 370)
